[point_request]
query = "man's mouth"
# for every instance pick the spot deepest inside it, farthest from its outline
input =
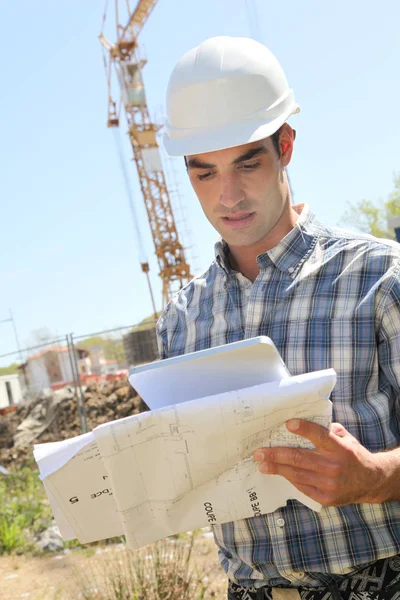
(238, 220)
(236, 217)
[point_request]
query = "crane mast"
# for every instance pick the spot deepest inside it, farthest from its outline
(123, 58)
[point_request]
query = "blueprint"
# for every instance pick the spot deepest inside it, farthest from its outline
(182, 466)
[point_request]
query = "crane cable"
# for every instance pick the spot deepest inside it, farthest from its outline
(121, 156)
(253, 18)
(129, 192)
(104, 16)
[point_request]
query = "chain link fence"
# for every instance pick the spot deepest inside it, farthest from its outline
(74, 362)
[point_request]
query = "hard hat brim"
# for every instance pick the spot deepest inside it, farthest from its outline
(224, 137)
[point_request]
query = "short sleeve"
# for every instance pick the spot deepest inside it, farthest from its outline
(388, 314)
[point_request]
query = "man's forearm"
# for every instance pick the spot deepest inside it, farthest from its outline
(391, 479)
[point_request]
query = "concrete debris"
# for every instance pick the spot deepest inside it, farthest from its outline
(56, 417)
(50, 539)
(40, 418)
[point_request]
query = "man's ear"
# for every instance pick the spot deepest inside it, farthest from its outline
(286, 143)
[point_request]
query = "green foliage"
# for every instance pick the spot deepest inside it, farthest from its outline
(11, 537)
(113, 348)
(10, 370)
(24, 510)
(371, 217)
(393, 202)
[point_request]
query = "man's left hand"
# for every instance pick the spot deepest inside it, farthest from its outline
(339, 471)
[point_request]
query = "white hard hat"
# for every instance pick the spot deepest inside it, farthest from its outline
(226, 92)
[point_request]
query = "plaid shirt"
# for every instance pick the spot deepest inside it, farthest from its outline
(327, 298)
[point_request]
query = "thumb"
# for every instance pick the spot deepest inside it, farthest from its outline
(338, 430)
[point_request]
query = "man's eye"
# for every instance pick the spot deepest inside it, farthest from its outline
(250, 167)
(205, 175)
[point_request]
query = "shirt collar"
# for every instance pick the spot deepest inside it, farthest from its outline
(290, 252)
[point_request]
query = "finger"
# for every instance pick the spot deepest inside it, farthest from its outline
(296, 457)
(292, 474)
(314, 493)
(318, 435)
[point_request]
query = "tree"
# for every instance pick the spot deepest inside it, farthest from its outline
(113, 348)
(371, 217)
(10, 370)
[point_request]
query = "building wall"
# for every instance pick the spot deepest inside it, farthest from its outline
(85, 366)
(37, 374)
(98, 360)
(52, 362)
(15, 388)
(65, 365)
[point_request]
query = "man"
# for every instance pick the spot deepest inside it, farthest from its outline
(327, 298)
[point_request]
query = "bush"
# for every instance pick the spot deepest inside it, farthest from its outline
(25, 511)
(158, 572)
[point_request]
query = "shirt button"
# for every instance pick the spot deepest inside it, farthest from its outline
(280, 522)
(299, 575)
(291, 270)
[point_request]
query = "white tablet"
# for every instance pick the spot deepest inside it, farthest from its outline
(208, 372)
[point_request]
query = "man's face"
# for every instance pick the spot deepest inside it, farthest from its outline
(242, 190)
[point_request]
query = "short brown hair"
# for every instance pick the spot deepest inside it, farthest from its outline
(275, 140)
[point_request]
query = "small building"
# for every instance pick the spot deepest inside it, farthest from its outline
(98, 360)
(48, 369)
(112, 367)
(10, 390)
(84, 362)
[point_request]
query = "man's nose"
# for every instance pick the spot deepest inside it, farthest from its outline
(231, 191)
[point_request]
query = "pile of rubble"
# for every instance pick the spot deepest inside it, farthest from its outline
(57, 417)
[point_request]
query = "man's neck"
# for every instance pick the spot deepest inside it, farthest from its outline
(244, 258)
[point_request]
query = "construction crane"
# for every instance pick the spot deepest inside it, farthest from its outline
(123, 58)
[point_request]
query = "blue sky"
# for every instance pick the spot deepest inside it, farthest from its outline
(68, 256)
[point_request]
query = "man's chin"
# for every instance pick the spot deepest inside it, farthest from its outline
(241, 240)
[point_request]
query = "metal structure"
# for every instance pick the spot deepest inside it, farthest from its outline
(12, 321)
(123, 59)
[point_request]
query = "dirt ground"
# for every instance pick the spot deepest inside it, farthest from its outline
(57, 576)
